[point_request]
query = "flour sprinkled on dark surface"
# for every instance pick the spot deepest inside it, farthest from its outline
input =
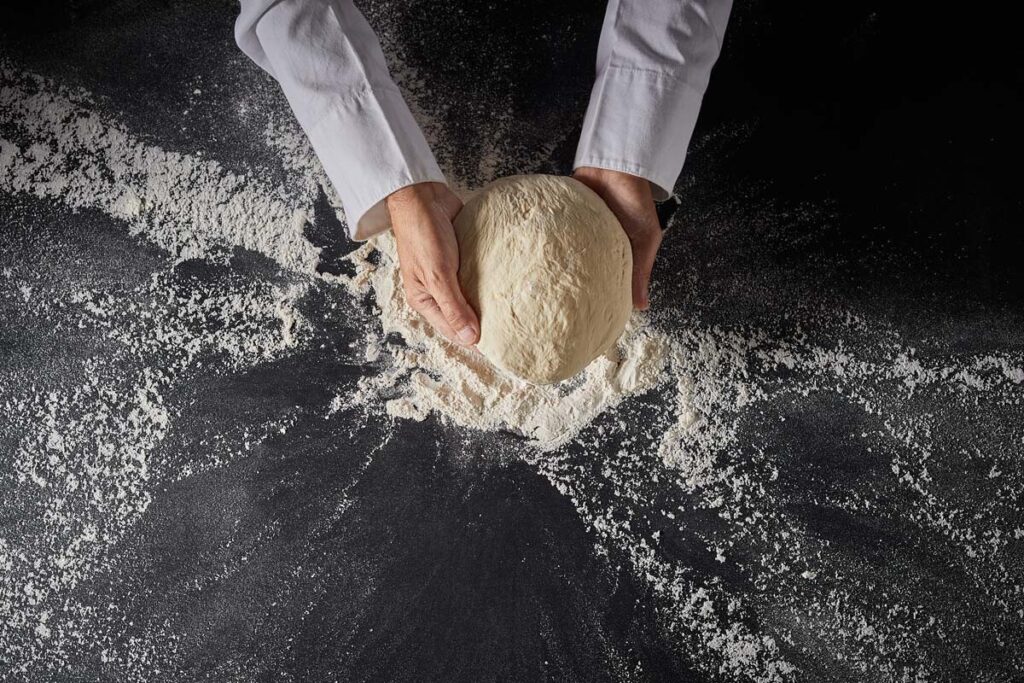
(228, 451)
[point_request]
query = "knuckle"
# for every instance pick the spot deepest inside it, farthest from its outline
(442, 297)
(436, 277)
(416, 298)
(456, 317)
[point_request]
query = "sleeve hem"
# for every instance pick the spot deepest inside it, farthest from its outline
(375, 219)
(660, 192)
(370, 146)
(640, 122)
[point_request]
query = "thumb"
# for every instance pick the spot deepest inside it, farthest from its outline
(641, 279)
(644, 252)
(456, 310)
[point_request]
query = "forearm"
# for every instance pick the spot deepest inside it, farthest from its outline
(653, 65)
(332, 70)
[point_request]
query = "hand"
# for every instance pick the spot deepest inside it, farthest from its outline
(428, 256)
(630, 199)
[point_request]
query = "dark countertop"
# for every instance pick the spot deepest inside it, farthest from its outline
(845, 270)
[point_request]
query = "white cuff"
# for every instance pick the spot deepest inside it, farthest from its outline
(370, 146)
(639, 122)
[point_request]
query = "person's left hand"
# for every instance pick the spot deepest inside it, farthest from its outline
(630, 199)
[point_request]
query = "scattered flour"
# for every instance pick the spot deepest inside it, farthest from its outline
(188, 206)
(86, 460)
(689, 407)
(461, 386)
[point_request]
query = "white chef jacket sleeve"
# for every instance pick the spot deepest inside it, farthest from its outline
(331, 67)
(654, 59)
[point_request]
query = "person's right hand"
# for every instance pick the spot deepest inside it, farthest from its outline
(428, 256)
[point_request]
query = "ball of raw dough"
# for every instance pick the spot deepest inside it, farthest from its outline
(547, 266)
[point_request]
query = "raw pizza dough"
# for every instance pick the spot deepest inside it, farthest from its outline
(547, 267)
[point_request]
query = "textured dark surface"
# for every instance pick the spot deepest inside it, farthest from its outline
(860, 161)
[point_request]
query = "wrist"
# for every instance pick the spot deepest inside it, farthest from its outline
(423, 205)
(417, 193)
(605, 181)
(406, 203)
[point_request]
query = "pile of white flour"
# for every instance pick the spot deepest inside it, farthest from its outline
(461, 386)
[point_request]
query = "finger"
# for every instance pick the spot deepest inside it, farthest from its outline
(429, 310)
(456, 310)
(644, 251)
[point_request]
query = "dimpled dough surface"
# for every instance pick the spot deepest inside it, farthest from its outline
(547, 266)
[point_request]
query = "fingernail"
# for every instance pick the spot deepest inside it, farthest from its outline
(467, 334)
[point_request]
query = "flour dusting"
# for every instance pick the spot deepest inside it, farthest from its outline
(460, 385)
(188, 206)
(674, 448)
